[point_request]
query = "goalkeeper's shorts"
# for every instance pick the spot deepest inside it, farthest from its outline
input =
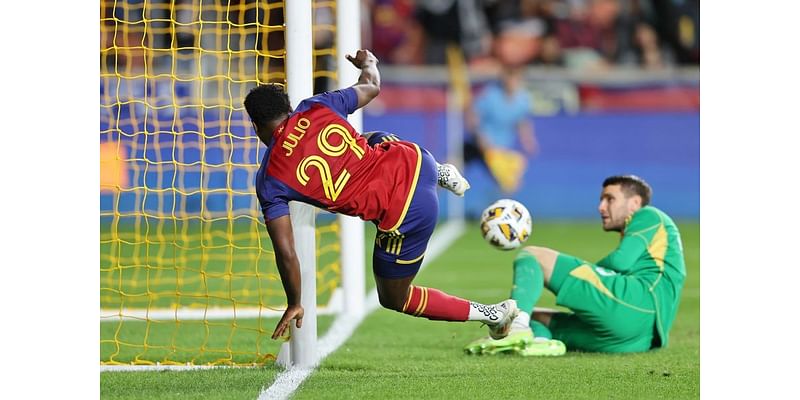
(611, 312)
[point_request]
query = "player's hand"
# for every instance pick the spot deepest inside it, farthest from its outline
(363, 57)
(291, 313)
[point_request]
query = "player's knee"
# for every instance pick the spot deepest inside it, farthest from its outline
(540, 253)
(391, 302)
(546, 257)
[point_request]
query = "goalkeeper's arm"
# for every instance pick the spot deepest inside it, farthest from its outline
(625, 255)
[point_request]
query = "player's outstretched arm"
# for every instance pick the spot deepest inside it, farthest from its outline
(280, 232)
(369, 82)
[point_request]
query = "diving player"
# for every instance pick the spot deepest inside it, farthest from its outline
(315, 156)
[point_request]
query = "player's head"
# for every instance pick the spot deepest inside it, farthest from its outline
(622, 196)
(267, 105)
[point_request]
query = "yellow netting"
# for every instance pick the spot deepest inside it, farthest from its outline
(186, 267)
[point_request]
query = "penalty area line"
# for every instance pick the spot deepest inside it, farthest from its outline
(343, 327)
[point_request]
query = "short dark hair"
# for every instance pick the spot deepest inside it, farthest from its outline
(630, 185)
(265, 103)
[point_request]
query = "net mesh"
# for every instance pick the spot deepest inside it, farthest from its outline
(187, 272)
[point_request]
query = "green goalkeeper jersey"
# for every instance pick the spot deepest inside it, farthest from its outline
(651, 250)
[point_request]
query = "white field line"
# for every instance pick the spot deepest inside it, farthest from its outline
(289, 380)
(185, 314)
(341, 329)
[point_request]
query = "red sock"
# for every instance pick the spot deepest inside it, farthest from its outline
(435, 304)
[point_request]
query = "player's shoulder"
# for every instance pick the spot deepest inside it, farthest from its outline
(648, 212)
(652, 215)
(263, 174)
(331, 97)
(341, 102)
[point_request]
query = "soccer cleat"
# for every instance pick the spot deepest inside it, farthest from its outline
(515, 342)
(541, 347)
(501, 328)
(479, 346)
(451, 179)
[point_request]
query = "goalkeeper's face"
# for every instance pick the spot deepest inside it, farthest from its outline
(615, 207)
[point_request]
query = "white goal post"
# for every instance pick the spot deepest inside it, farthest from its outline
(302, 350)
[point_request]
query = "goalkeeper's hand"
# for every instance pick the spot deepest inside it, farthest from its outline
(294, 312)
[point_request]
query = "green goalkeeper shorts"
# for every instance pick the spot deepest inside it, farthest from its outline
(610, 312)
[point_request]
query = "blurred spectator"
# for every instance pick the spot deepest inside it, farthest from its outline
(445, 22)
(499, 124)
(588, 37)
(678, 22)
(396, 36)
(518, 43)
(577, 34)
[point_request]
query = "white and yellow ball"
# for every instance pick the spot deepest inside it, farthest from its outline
(506, 224)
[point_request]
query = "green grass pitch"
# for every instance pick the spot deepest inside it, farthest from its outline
(395, 356)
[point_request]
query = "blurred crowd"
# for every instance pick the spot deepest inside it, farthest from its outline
(577, 34)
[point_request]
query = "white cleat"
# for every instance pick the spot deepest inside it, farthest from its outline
(452, 180)
(510, 311)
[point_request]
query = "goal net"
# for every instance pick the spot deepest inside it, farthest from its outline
(187, 272)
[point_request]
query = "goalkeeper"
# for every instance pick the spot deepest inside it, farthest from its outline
(625, 302)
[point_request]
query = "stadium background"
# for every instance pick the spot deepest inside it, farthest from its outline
(596, 111)
(590, 122)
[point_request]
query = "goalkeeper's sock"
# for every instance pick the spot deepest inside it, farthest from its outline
(540, 330)
(436, 305)
(528, 281)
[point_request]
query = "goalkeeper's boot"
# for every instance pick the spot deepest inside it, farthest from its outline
(516, 341)
(541, 347)
(479, 346)
(502, 327)
(451, 179)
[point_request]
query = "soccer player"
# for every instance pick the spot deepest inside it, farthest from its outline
(315, 156)
(625, 302)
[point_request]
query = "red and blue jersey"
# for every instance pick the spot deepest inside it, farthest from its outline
(316, 157)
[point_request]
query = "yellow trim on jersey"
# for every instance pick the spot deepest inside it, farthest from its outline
(658, 246)
(587, 274)
(406, 262)
(410, 192)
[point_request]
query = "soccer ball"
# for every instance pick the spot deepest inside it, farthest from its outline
(506, 224)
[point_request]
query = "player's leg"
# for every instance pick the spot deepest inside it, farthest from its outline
(528, 282)
(395, 292)
(533, 268)
(398, 255)
(611, 312)
(448, 175)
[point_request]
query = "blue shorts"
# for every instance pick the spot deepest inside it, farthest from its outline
(399, 254)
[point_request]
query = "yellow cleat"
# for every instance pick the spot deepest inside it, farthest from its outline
(541, 347)
(515, 341)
